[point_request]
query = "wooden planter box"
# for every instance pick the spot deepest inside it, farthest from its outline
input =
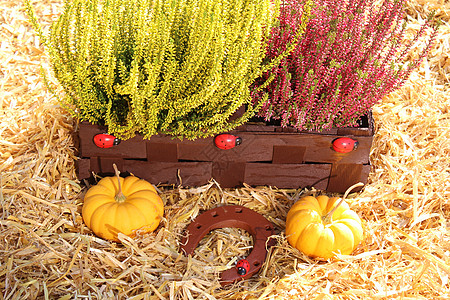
(268, 155)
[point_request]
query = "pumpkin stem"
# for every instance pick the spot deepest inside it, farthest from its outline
(328, 218)
(120, 197)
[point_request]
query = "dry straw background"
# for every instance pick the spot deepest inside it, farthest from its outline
(46, 252)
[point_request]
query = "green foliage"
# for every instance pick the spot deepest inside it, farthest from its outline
(178, 67)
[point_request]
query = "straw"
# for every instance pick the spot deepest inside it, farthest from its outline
(48, 253)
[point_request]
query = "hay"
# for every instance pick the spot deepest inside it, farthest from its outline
(47, 252)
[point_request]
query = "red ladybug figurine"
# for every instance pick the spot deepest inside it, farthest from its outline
(242, 267)
(344, 145)
(104, 140)
(227, 141)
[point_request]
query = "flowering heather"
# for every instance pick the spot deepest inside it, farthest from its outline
(351, 55)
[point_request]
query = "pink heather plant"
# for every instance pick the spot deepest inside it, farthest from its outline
(351, 55)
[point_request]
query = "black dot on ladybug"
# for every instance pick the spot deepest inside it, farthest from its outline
(241, 271)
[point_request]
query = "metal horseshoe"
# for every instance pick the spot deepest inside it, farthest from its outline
(238, 217)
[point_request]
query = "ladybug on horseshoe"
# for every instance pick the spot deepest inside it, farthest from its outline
(242, 267)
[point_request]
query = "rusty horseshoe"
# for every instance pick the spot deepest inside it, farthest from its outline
(232, 216)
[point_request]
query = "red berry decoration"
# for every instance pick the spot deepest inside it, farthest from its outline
(227, 141)
(104, 140)
(345, 145)
(242, 267)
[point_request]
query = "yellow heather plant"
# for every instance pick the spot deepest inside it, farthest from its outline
(178, 67)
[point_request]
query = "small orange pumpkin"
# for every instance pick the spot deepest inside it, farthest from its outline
(321, 226)
(123, 205)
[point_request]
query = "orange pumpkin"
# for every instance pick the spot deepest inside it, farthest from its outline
(123, 205)
(322, 226)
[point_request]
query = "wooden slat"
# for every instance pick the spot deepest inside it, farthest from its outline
(200, 151)
(255, 127)
(104, 165)
(287, 175)
(229, 174)
(167, 152)
(345, 175)
(286, 154)
(321, 151)
(191, 173)
(83, 168)
(253, 148)
(258, 147)
(366, 168)
(353, 131)
(131, 148)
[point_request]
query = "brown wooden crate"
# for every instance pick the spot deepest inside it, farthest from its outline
(287, 159)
